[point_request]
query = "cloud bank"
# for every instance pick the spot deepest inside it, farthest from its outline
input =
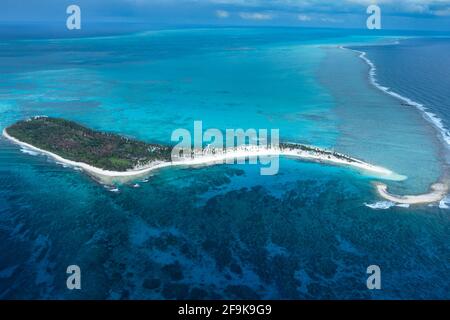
(397, 14)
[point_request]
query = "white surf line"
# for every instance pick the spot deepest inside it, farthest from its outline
(439, 190)
(237, 153)
(437, 194)
(429, 116)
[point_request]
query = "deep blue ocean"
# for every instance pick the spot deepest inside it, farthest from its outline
(226, 232)
(415, 68)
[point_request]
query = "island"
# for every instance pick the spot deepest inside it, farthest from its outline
(112, 158)
(75, 142)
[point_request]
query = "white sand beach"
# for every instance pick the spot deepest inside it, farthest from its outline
(439, 190)
(437, 193)
(208, 159)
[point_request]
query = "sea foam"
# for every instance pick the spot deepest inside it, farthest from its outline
(384, 205)
(445, 203)
(431, 117)
(30, 152)
(380, 205)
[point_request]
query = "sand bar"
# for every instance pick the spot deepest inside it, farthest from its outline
(208, 159)
(437, 193)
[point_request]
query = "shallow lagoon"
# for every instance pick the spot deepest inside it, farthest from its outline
(215, 232)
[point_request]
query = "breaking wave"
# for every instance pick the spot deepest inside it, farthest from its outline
(430, 116)
(384, 205)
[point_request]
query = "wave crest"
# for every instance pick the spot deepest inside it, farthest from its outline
(430, 116)
(445, 203)
(28, 151)
(384, 205)
(380, 205)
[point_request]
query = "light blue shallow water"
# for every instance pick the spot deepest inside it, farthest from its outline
(417, 69)
(216, 232)
(377, 127)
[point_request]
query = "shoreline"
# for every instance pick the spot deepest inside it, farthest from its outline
(438, 192)
(440, 189)
(108, 176)
(429, 116)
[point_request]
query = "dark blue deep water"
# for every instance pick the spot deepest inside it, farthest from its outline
(223, 232)
(420, 70)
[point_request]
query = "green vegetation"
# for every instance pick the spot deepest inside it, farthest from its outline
(328, 153)
(77, 143)
(105, 150)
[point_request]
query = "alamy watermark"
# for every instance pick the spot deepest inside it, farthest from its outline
(73, 22)
(74, 280)
(374, 280)
(233, 146)
(374, 20)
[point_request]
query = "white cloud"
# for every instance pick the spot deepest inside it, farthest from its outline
(417, 7)
(331, 20)
(255, 16)
(304, 17)
(222, 14)
(443, 12)
(311, 7)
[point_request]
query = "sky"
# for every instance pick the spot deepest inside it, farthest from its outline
(396, 14)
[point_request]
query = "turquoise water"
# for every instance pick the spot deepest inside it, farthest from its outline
(426, 82)
(377, 127)
(224, 231)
